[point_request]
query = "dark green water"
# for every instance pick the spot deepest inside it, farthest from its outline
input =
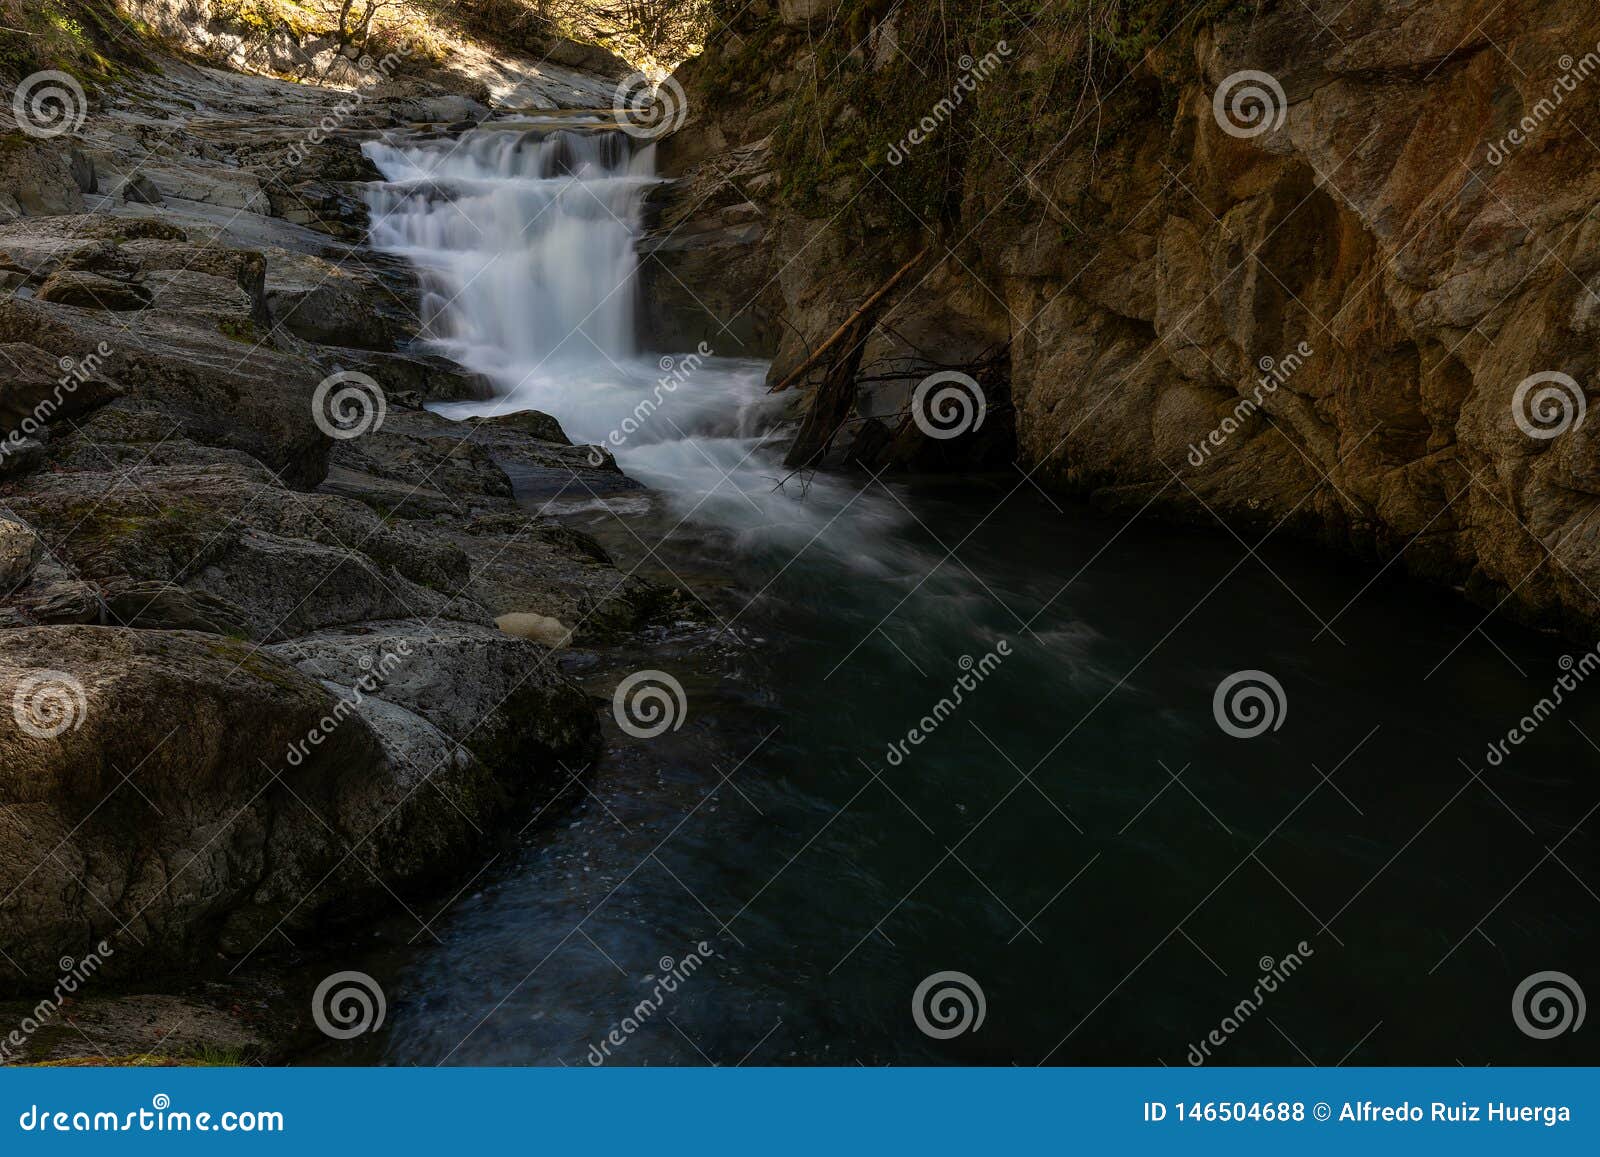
(1038, 841)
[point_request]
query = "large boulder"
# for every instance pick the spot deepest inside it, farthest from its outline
(36, 179)
(202, 354)
(180, 794)
(499, 697)
(286, 563)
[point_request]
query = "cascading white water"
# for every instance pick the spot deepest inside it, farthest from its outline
(526, 246)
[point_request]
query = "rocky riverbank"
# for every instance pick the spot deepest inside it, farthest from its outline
(1324, 267)
(278, 646)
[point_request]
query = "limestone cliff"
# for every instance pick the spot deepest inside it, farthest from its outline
(1321, 265)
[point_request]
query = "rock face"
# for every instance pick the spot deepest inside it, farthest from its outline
(250, 672)
(200, 793)
(1321, 319)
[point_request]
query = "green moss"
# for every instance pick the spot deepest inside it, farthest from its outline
(239, 329)
(981, 83)
(88, 39)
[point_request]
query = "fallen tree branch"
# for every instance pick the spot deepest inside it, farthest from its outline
(810, 363)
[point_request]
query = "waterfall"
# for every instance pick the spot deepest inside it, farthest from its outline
(526, 246)
(525, 243)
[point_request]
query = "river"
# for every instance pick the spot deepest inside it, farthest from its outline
(947, 782)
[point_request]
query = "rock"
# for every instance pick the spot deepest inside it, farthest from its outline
(332, 304)
(498, 696)
(253, 799)
(802, 12)
(92, 291)
(1395, 224)
(40, 390)
(523, 565)
(336, 210)
(537, 628)
(437, 467)
(82, 168)
(292, 563)
(589, 57)
(539, 427)
(19, 455)
(127, 1030)
(200, 357)
(141, 190)
(420, 465)
(159, 606)
(20, 551)
(35, 177)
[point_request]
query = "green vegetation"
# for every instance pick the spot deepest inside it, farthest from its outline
(91, 39)
(909, 111)
(202, 1057)
(240, 329)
